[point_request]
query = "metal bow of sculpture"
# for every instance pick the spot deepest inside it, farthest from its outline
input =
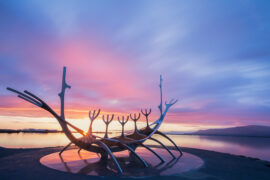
(103, 145)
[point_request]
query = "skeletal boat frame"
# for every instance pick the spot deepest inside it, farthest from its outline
(105, 146)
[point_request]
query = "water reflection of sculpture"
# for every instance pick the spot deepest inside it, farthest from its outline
(97, 167)
(105, 146)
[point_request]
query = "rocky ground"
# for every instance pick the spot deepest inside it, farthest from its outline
(24, 164)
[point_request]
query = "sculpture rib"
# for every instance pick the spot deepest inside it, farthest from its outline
(65, 148)
(165, 147)
(165, 136)
(154, 152)
(137, 155)
(107, 149)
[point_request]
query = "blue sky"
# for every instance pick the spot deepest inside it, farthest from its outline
(213, 55)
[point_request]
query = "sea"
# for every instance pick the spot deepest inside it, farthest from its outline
(255, 147)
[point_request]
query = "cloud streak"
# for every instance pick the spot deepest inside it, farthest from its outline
(214, 56)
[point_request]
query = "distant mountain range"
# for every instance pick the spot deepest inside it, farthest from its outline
(40, 131)
(251, 130)
(29, 131)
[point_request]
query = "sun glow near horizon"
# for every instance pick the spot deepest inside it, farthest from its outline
(216, 60)
(19, 122)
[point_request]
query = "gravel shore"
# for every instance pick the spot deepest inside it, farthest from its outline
(24, 164)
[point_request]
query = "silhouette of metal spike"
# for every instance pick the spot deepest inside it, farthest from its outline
(107, 122)
(29, 100)
(146, 114)
(172, 102)
(160, 105)
(103, 119)
(123, 122)
(35, 101)
(95, 115)
(34, 96)
(127, 119)
(112, 118)
(92, 118)
(135, 119)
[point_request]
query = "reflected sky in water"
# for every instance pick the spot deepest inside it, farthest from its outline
(247, 146)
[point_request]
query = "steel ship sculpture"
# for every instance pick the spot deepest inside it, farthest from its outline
(106, 146)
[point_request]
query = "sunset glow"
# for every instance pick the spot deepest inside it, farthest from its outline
(216, 62)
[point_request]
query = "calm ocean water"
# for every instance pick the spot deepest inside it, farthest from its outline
(247, 146)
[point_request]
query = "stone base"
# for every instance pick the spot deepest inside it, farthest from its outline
(88, 163)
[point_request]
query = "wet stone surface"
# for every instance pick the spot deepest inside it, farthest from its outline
(88, 163)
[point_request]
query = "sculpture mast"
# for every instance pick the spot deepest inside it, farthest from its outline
(62, 93)
(160, 106)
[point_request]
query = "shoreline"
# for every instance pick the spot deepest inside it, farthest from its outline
(219, 135)
(24, 163)
(60, 132)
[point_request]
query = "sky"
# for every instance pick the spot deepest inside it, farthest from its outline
(213, 56)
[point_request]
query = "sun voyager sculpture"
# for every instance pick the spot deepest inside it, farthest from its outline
(106, 146)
